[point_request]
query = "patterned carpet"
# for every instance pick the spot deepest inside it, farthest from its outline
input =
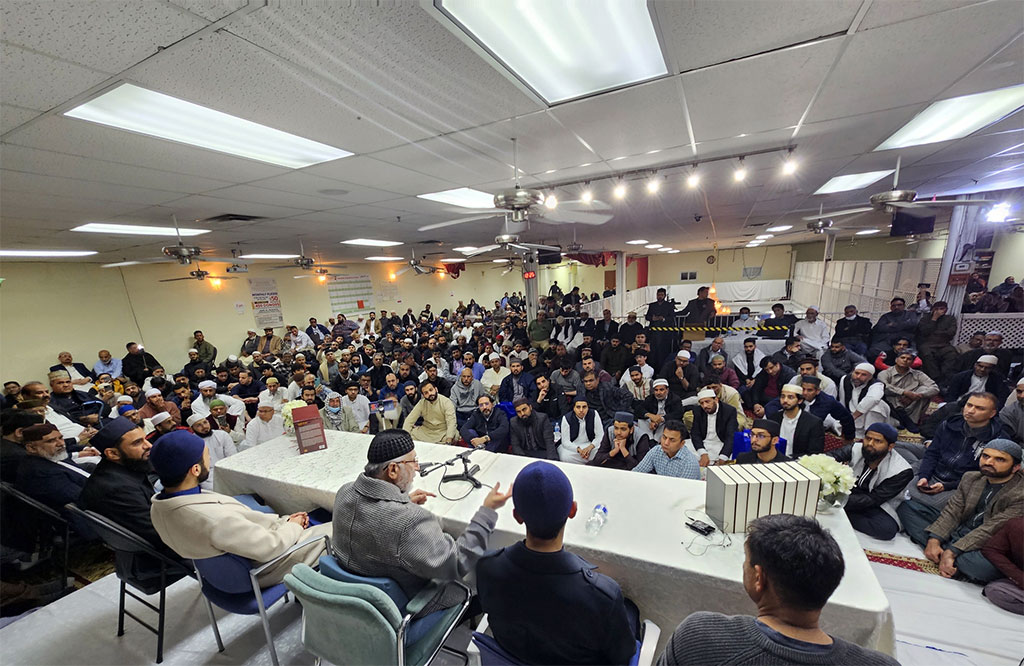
(903, 561)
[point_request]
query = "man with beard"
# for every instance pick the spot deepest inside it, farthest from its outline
(487, 427)
(248, 391)
(661, 314)
(657, 407)
(838, 360)
(547, 401)
(464, 395)
(338, 417)
(518, 384)
(162, 424)
(120, 487)
(438, 413)
(267, 425)
(764, 435)
(616, 357)
(747, 364)
(410, 396)
(47, 474)
(623, 446)
(982, 377)
(433, 375)
(531, 433)
(208, 393)
(768, 384)
(804, 432)
(1012, 414)
(714, 424)
(907, 391)
(983, 501)
(155, 404)
(897, 323)
(195, 363)
(137, 364)
(198, 524)
(882, 475)
(991, 345)
(219, 443)
(864, 397)
(854, 332)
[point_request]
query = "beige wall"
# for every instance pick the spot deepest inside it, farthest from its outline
(870, 248)
(774, 262)
(1009, 250)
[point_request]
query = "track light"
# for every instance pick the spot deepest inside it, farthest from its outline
(551, 202)
(693, 180)
(653, 184)
(587, 195)
(789, 166)
(740, 173)
(620, 190)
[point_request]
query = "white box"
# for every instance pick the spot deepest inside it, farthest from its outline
(813, 488)
(788, 489)
(720, 497)
(737, 494)
(753, 493)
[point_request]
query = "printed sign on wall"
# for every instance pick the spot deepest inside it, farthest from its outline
(266, 303)
(350, 293)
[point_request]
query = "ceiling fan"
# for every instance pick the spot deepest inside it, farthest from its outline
(200, 274)
(917, 238)
(181, 253)
(520, 205)
(896, 199)
(418, 267)
(302, 262)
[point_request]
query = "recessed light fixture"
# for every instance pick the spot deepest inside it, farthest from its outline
(664, 249)
(129, 107)
(620, 190)
(499, 261)
(465, 248)
(673, 251)
(46, 253)
(653, 246)
(453, 260)
(371, 242)
(269, 256)
(764, 237)
(780, 228)
(383, 258)
(789, 166)
(998, 213)
(956, 117)
(852, 181)
(461, 196)
(137, 230)
(559, 49)
(867, 232)
(638, 241)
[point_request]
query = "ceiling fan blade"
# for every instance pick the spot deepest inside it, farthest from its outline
(281, 267)
(400, 271)
(227, 260)
(946, 202)
(903, 204)
(579, 204)
(220, 277)
(538, 246)
(452, 223)
(154, 260)
(175, 279)
(850, 211)
(481, 250)
(575, 217)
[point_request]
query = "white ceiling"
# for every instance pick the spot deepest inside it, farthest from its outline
(424, 112)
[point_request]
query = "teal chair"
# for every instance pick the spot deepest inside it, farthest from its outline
(349, 623)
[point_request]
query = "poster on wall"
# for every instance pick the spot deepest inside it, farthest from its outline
(266, 303)
(350, 293)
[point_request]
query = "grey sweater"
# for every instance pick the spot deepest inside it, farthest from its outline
(712, 638)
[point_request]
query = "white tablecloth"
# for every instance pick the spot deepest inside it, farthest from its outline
(643, 545)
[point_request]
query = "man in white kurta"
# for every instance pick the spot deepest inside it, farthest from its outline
(208, 393)
(864, 396)
(267, 425)
(493, 375)
(273, 394)
(814, 334)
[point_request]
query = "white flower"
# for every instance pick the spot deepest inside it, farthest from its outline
(836, 478)
(286, 410)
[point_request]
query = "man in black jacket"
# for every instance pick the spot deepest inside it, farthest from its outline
(656, 409)
(683, 376)
(12, 447)
(714, 424)
(606, 328)
(605, 398)
(137, 364)
(854, 331)
(531, 433)
(804, 432)
(768, 384)
(47, 474)
(983, 377)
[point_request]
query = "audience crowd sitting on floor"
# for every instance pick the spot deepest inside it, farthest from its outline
(139, 443)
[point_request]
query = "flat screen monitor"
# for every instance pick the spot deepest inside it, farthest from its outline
(912, 222)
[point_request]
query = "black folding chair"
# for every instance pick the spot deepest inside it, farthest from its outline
(52, 520)
(131, 551)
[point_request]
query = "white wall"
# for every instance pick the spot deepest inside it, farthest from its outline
(1008, 258)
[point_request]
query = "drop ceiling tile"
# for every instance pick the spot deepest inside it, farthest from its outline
(698, 34)
(35, 81)
(369, 171)
(201, 207)
(16, 181)
(855, 134)
(872, 73)
(12, 116)
(729, 99)
(448, 159)
(651, 112)
(211, 10)
(542, 143)
(75, 209)
(109, 36)
(1003, 70)
(1012, 123)
(975, 148)
(78, 137)
(265, 195)
(884, 12)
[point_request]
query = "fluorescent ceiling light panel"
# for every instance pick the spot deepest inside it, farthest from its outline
(780, 228)
(137, 230)
(46, 253)
(383, 258)
(653, 246)
(564, 50)
(463, 196)
(465, 248)
(867, 232)
(638, 241)
(853, 181)
(673, 251)
(269, 256)
(370, 242)
(453, 260)
(956, 117)
(136, 109)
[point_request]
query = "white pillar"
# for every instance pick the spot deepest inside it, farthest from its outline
(963, 230)
(620, 283)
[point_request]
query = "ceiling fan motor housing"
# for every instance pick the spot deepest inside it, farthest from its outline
(899, 196)
(518, 199)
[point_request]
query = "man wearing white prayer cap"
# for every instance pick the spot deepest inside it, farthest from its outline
(208, 393)
(494, 374)
(863, 396)
(267, 425)
(814, 334)
(162, 424)
(155, 404)
(982, 377)
(218, 443)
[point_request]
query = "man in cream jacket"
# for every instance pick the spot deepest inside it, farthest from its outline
(198, 523)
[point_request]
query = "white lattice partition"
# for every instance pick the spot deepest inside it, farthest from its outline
(1010, 324)
(869, 285)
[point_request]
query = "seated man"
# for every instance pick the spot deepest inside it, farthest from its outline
(982, 377)
(358, 404)
(992, 346)
(804, 432)
(887, 359)
(218, 443)
(487, 427)
(672, 458)
(748, 364)
(814, 334)
(531, 433)
(12, 447)
(494, 374)
(208, 393)
(834, 416)
(1012, 414)
(81, 377)
(768, 384)
(1006, 551)
(980, 505)
(839, 360)
(381, 529)
(581, 433)
(198, 523)
(808, 367)
(438, 414)
(518, 384)
(683, 376)
(267, 425)
(954, 450)
(714, 424)
(623, 446)
(337, 416)
(605, 398)
(47, 474)
(792, 566)
(764, 435)
(907, 391)
(531, 588)
(863, 396)
(790, 354)
(464, 394)
(882, 475)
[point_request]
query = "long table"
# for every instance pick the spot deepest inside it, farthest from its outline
(643, 546)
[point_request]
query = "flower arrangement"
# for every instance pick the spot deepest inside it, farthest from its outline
(836, 478)
(286, 413)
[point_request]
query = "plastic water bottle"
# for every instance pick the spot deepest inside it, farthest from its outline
(597, 520)
(558, 431)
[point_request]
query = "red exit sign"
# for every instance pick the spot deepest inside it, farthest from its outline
(529, 275)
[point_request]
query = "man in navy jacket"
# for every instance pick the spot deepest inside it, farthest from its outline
(507, 390)
(487, 427)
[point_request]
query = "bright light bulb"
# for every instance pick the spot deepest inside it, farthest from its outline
(789, 167)
(998, 213)
(619, 191)
(392, 276)
(692, 181)
(653, 185)
(215, 283)
(321, 278)
(440, 274)
(587, 196)
(551, 202)
(739, 174)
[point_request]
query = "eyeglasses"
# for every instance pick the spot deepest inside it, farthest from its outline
(414, 461)
(757, 435)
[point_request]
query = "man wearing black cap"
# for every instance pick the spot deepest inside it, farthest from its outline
(544, 604)
(47, 474)
(198, 524)
(882, 475)
(764, 435)
(624, 446)
(381, 529)
(12, 447)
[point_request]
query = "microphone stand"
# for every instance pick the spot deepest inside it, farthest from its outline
(465, 475)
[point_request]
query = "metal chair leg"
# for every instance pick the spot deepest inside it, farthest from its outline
(209, 612)
(120, 611)
(457, 653)
(160, 614)
(263, 618)
(67, 546)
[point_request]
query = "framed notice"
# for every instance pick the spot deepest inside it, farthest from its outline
(350, 293)
(266, 303)
(309, 429)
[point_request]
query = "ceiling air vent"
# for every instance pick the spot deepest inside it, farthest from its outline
(233, 217)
